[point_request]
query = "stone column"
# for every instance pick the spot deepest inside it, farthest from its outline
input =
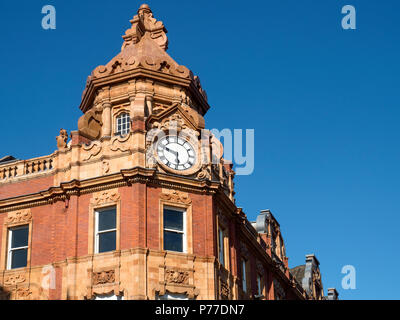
(106, 118)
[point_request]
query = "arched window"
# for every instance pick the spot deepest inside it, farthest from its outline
(123, 124)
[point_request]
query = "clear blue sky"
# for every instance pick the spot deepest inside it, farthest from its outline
(324, 103)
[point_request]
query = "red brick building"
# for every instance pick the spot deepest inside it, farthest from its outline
(128, 210)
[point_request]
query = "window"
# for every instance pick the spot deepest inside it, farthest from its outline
(123, 124)
(260, 287)
(244, 275)
(174, 230)
(106, 230)
(221, 247)
(108, 297)
(18, 247)
(172, 296)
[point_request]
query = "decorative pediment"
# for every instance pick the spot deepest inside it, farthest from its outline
(19, 217)
(105, 197)
(176, 197)
(178, 116)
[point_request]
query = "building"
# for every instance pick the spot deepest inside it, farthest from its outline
(123, 212)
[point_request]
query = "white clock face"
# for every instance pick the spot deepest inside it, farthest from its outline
(176, 153)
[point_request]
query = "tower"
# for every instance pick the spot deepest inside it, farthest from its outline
(139, 204)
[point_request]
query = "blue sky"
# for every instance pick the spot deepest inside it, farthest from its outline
(324, 103)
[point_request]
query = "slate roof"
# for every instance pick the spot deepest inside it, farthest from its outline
(298, 272)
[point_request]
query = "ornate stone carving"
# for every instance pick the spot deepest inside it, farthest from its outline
(23, 293)
(90, 124)
(13, 280)
(119, 143)
(176, 276)
(62, 140)
(225, 290)
(103, 277)
(280, 293)
(105, 167)
(176, 196)
(244, 251)
(92, 150)
(107, 196)
(205, 173)
(260, 267)
(19, 217)
(143, 23)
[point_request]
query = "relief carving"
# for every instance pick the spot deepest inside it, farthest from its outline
(105, 167)
(205, 173)
(92, 150)
(260, 267)
(107, 196)
(13, 280)
(244, 251)
(225, 290)
(118, 143)
(23, 294)
(19, 217)
(176, 196)
(103, 277)
(176, 277)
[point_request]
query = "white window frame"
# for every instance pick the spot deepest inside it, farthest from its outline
(10, 250)
(184, 231)
(97, 232)
(244, 275)
(221, 249)
(120, 120)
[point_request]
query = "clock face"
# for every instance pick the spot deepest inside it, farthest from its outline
(176, 153)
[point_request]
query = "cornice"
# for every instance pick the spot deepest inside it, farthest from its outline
(139, 72)
(124, 178)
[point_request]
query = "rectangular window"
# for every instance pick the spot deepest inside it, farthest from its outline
(106, 230)
(221, 247)
(244, 276)
(174, 230)
(18, 247)
(260, 285)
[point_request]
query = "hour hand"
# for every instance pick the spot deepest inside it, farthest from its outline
(171, 151)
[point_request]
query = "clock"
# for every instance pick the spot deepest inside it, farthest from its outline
(176, 153)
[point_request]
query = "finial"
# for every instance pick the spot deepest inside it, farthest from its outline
(144, 23)
(144, 6)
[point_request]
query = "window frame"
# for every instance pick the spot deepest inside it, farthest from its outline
(97, 232)
(260, 285)
(10, 250)
(221, 246)
(122, 116)
(185, 228)
(244, 275)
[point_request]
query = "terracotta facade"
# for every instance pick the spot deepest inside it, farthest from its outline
(57, 196)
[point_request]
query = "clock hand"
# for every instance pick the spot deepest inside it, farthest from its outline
(173, 152)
